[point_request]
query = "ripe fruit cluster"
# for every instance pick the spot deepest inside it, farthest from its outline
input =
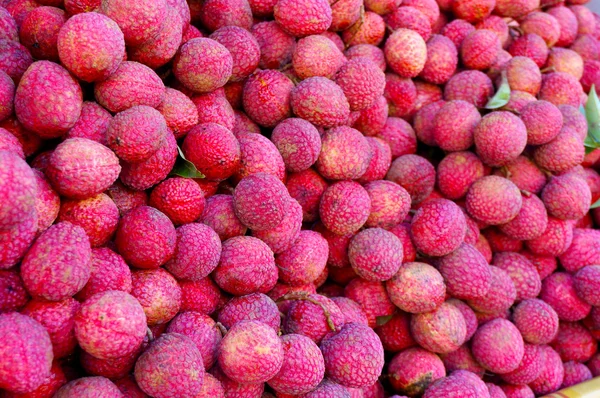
(297, 198)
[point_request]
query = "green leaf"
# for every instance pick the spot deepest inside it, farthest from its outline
(502, 96)
(184, 168)
(382, 320)
(592, 115)
(595, 204)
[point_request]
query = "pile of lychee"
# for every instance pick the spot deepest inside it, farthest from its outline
(298, 198)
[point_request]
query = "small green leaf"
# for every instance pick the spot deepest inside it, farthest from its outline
(382, 320)
(502, 96)
(592, 115)
(184, 168)
(595, 205)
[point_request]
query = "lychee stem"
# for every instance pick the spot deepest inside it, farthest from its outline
(150, 335)
(221, 328)
(305, 296)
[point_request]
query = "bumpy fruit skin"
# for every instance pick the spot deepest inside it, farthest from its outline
(466, 273)
(485, 203)
(15, 59)
(171, 367)
(390, 204)
(276, 46)
(567, 197)
(575, 373)
(344, 154)
(18, 189)
(247, 266)
(529, 368)
(457, 30)
(92, 123)
(220, 13)
(414, 369)
(179, 112)
(572, 118)
(530, 223)
(558, 290)
(574, 342)
(320, 101)
(441, 331)
(372, 120)
(500, 138)
(415, 174)
(562, 153)
(375, 254)
(108, 271)
(146, 238)
(299, 143)
(47, 202)
(416, 288)
(438, 227)
(259, 201)
(456, 172)
(344, 207)
(399, 135)
(551, 375)
(80, 168)
(13, 295)
(219, 214)
(7, 94)
(303, 366)
(561, 88)
(479, 49)
(500, 296)
(304, 260)
(251, 352)
(180, 199)
(145, 25)
(256, 306)
(524, 75)
(395, 334)
(213, 149)
(362, 82)
(471, 86)
(89, 387)
(543, 122)
(555, 240)
(125, 198)
(206, 76)
(316, 55)
(406, 52)
(313, 316)
(409, 18)
(266, 97)
(69, 248)
(303, 18)
(44, 88)
(8, 26)
(498, 346)
(98, 216)
(401, 93)
(130, 85)
(566, 60)
(81, 41)
(454, 125)
(159, 50)
(522, 272)
(158, 293)
(339, 353)
(536, 320)
(586, 280)
(202, 330)
(197, 252)
(110, 325)
(39, 30)
(58, 319)
(26, 350)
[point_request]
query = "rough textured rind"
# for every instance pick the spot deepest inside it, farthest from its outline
(415, 174)
(131, 84)
(13, 295)
(530, 223)
(251, 352)
(493, 200)
(197, 252)
(529, 368)
(171, 367)
(180, 199)
(26, 350)
(551, 375)
(390, 204)
(344, 154)
(498, 346)
(457, 172)
(313, 316)
(92, 123)
(247, 266)
(466, 273)
(341, 362)
(414, 369)
(362, 82)
(39, 29)
(500, 137)
(303, 366)
(158, 293)
(219, 214)
(266, 97)
(522, 272)
(479, 50)
(108, 271)
(567, 197)
(472, 86)
(91, 46)
(305, 260)
(416, 288)
(89, 387)
(69, 248)
(438, 227)
(536, 320)
(37, 110)
(406, 52)
(558, 290)
(145, 25)
(500, 296)
(276, 46)
(375, 254)
(344, 207)
(441, 331)
(256, 306)
(316, 55)
(259, 201)
(110, 325)
(299, 143)
(146, 238)
(202, 330)
(561, 88)
(320, 101)
(303, 18)
(179, 112)
(574, 342)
